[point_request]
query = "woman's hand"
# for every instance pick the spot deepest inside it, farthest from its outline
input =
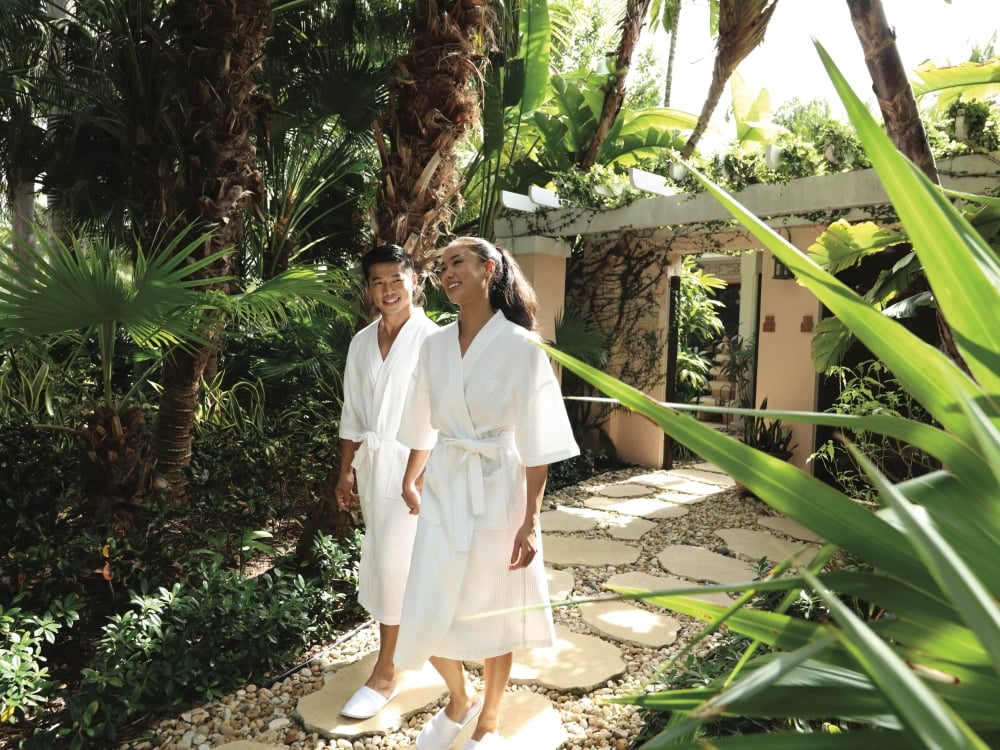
(525, 546)
(411, 496)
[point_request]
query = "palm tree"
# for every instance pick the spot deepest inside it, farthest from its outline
(742, 24)
(631, 26)
(902, 119)
(23, 39)
(432, 104)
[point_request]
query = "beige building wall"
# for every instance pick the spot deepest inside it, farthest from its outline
(543, 260)
(785, 375)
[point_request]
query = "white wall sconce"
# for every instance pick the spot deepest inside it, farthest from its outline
(650, 182)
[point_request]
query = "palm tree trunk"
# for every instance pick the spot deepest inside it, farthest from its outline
(432, 105)
(668, 84)
(742, 24)
(218, 45)
(891, 84)
(899, 111)
(631, 25)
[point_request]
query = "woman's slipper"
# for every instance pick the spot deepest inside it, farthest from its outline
(441, 732)
(365, 703)
(490, 741)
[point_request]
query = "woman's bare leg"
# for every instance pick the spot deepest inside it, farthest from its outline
(383, 677)
(496, 675)
(461, 695)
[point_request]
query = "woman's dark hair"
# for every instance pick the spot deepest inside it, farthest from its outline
(510, 291)
(386, 254)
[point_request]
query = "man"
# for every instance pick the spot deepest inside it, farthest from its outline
(380, 362)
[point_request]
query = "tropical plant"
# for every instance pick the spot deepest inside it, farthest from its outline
(698, 324)
(924, 675)
(867, 389)
(767, 435)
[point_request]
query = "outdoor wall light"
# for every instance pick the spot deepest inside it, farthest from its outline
(781, 271)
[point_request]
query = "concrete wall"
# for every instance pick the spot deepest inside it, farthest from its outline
(699, 223)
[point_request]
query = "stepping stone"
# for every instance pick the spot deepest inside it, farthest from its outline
(658, 479)
(577, 661)
(637, 580)
(568, 550)
(320, 711)
(699, 564)
(691, 487)
(568, 519)
(678, 498)
(790, 528)
(625, 621)
(758, 544)
(707, 467)
(645, 507)
(560, 584)
(529, 720)
(624, 490)
(629, 528)
(248, 745)
(706, 477)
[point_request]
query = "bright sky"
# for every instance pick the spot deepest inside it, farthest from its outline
(786, 63)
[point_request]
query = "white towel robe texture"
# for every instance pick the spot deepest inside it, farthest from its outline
(485, 417)
(374, 392)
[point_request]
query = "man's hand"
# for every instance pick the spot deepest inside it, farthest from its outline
(347, 498)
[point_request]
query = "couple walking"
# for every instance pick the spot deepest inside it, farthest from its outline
(449, 433)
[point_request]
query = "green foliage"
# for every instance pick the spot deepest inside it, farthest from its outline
(192, 641)
(866, 390)
(698, 324)
(767, 435)
(587, 464)
(926, 676)
(24, 678)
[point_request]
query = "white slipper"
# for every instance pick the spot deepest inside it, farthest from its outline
(441, 732)
(365, 703)
(490, 741)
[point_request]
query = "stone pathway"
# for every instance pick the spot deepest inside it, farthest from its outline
(654, 530)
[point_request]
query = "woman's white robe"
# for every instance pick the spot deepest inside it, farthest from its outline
(374, 392)
(486, 416)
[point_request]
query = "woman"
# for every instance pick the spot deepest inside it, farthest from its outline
(484, 415)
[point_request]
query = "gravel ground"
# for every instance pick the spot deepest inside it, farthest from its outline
(265, 713)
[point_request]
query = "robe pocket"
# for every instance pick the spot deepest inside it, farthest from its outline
(430, 501)
(504, 498)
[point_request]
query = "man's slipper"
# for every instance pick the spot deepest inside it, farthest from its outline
(365, 703)
(441, 732)
(490, 741)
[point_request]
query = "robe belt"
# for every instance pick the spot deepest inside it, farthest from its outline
(473, 450)
(364, 460)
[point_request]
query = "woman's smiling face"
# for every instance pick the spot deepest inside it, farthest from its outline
(464, 276)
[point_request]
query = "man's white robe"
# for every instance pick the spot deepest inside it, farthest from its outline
(374, 392)
(486, 416)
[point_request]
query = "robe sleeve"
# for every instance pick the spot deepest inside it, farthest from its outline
(351, 417)
(542, 430)
(415, 429)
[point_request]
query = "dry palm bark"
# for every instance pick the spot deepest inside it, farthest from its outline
(434, 100)
(217, 48)
(631, 26)
(742, 24)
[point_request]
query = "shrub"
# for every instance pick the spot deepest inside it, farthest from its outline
(24, 676)
(193, 641)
